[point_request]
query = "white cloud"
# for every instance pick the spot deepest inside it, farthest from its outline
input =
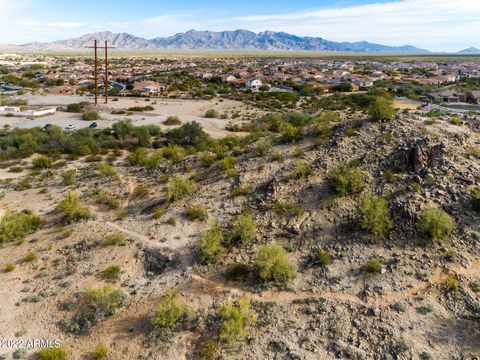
(440, 25)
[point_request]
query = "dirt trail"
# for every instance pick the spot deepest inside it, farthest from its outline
(131, 192)
(386, 299)
(132, 233)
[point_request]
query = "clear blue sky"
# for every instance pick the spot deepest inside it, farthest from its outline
(439, 25)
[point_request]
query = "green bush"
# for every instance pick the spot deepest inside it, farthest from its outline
(52, 354)
(288, 209)
(100, 352)
(209, 350)
(112, 273)
(173, 153)
(374, 215)
(72, 209)
(210, 245)
(158, 212)
(68, 177)
(42, 162)
(237, 319)
(141, 191)
(273, 266)
(106, 170)
(173, 120)
(241, 191)
(243, 231)
(171, 312)
(322, 257)
(9, 267)
(196, 212)
(114, 239)
(16, 226)
(179, 188)
(237, 271)
(347, 180)
(436, 224)
(91, 115)
(301, 170)
(371, 268)
(227, 163)
(74, 108)
(30, 257)
(95, 304)
(381, 109)
(211, 114)
(109, 201)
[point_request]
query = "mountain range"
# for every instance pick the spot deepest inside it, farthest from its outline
(224, 40)
(470, 51)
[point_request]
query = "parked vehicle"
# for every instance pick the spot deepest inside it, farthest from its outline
(70, 127)
(47, 126)
(93, 125)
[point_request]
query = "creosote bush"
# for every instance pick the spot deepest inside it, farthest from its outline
(114, 239)
(91, 115)
(237, 320)
(95, 304)
(211, 114)
(288, 209)
(100, 352)
(210, 245)
(52, 354)
(15, 226)
(381, 109)
(196, 212)
(179, 188)
(72, 209)
(322, 257)
(371, 268)
(347, 180)
(436, 224)
(106, 170)
(112, 273)
(374, 215)
(243, 231)
(172, 120)
(301, 170)
(141, 191)
(170, 313)
(273, 266)
(42, 162)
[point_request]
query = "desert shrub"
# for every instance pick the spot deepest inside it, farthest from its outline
(241, 191)
(171, 221)
(95, 304)
(301, 170)
(211, 114)
(9, 267)
(243, 230)
(109, 201)
(209, 350)
(30, 257)
(273, 266)
(42, 162)
(179, 188)
(455, 120)
(347, 180)
(196, 212)
(23, 184)
(15, 226)
(72, 209)
(107, 170)
(170, 313)
(237, 319)
(475, 198)
(173, 153)
(227, 163)
(374, 215)
(322, 257)
(210, 245)
(371, 268)
(52, 354)
(288, 209)
(172, 120)
(68, 177)
(451, 284)
(100, 352)
(381, 109)
(15, 169)
(112, 273)
(74, 108)
(207, 158)
(140, 191)
(289, 133)
(261, 148)
(350, 131)
(189, 134)
(473, 152)
(436, 224)
(114, 239)
(91, 115)
(158, 212)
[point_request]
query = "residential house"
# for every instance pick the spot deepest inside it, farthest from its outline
(448, 96)
(254, 84)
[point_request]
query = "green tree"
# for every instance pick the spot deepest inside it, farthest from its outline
(381, 109)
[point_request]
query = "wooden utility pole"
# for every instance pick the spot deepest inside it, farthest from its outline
(95, 71)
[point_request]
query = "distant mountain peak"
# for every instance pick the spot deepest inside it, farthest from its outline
(471, 50)
(224, 40)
